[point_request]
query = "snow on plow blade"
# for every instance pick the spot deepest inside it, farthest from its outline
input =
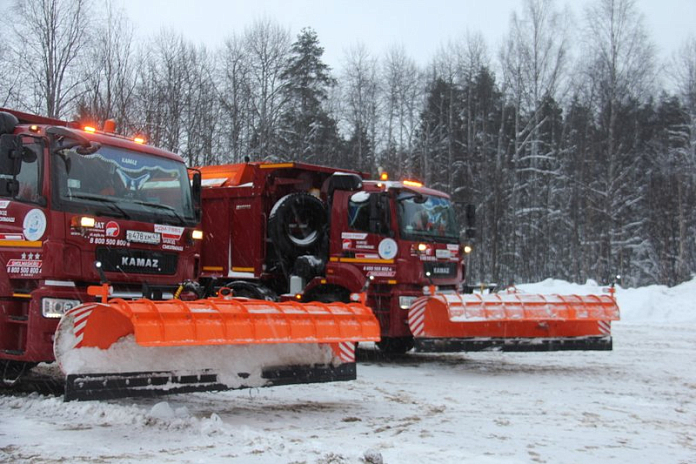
(147, 348)
(512, 322)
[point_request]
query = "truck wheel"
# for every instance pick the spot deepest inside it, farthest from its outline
(12, 371)
(395, 345)
(296, 224)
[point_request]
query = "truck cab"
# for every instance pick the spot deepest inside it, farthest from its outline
(405, 239)
(79, 207)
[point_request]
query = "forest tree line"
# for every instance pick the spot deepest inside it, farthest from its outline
(574, 142)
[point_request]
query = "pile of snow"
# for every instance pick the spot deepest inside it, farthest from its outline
(655, 303)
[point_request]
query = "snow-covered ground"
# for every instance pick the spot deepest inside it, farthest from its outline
(636, 404)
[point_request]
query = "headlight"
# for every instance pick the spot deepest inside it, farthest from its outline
(56, 307)
(405, 302)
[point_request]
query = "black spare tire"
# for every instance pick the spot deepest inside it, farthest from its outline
(296, 224)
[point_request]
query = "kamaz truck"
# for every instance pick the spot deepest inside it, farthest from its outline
(100, 245)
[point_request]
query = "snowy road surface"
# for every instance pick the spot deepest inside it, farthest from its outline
(636, 404)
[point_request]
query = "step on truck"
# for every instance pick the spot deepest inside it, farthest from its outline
(100, 246)
(296, 231)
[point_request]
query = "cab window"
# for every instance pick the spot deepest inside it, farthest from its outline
(359, 211)
(369, 213)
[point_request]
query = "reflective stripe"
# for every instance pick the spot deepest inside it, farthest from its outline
(416, 317)
(345, 351)
(20, 244)
(605, 327)
(59, 283)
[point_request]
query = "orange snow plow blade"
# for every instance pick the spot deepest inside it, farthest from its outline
(154, 347)
(513, 322)
(218, 321)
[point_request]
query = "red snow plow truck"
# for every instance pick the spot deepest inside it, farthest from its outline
(100, 243)
(294, 231)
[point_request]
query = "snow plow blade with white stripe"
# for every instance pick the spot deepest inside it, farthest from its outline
(512, 322)
(149, 348)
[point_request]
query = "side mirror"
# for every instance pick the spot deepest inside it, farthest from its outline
(196, 191)
(11, 150)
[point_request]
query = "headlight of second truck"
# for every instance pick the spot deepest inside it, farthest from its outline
(56, 307)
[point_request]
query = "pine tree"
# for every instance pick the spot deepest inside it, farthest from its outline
(308, 133)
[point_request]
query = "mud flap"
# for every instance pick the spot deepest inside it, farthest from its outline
(512, 322)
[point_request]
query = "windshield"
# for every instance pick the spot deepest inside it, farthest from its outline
(423, 217)
(123, 183)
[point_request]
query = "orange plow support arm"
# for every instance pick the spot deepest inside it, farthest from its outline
(471, 322)
(218, 321)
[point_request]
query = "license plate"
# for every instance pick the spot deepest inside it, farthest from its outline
(139, 236)
(443, 253)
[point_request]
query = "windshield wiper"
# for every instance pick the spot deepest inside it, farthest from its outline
(160, 206)
(110, 202)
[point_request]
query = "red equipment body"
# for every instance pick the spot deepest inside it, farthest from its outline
(294, 230)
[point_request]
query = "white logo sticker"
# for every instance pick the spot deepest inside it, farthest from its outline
(388, 249)
(34, 225)
(172, 232)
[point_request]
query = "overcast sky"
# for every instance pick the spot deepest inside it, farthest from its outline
(421, 26)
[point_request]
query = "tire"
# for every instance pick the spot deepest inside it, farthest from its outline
(12, 371)
(296, 225)
(395, 345)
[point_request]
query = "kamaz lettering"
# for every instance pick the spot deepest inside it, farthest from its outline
(140, 262)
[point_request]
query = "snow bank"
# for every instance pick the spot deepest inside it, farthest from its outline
(657, 304)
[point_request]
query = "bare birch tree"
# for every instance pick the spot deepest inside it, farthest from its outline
(402, 96)
(533, 60)
(111, 74)
(621, 71)
(52, 34)
(234, 93)
(267, 46)
(11, 82)
(683, 70)
(360, 92)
